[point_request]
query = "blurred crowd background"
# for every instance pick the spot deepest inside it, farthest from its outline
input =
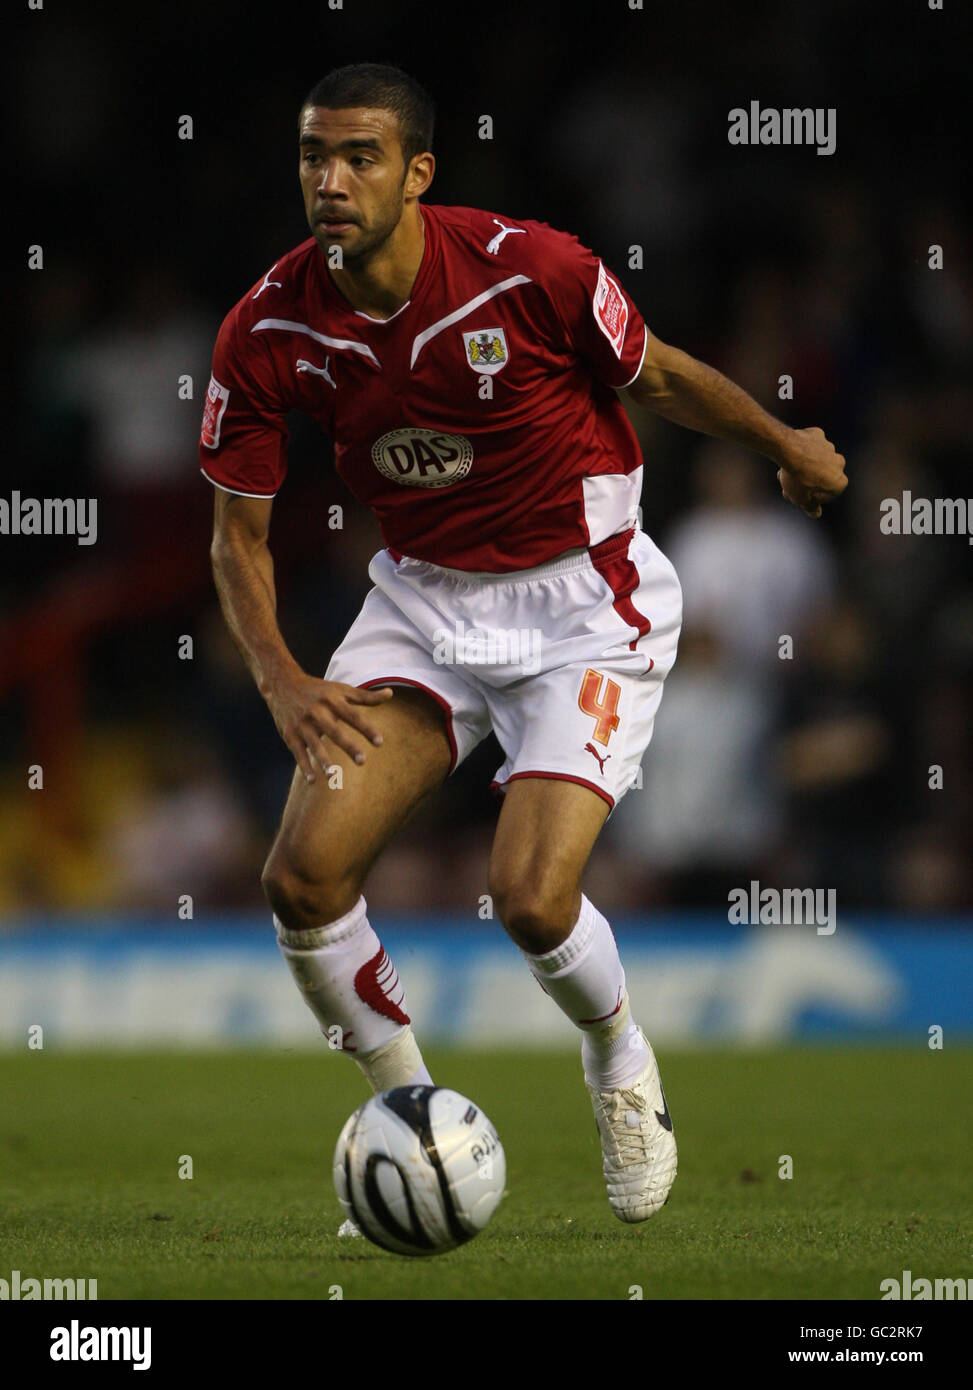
(163, 773)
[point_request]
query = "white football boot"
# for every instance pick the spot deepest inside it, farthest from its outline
(637, 1143)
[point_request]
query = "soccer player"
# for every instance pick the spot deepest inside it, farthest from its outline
(466, 366)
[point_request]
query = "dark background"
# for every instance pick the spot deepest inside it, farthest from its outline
(165, 776)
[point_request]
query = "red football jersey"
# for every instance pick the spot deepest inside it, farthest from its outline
(479, 423)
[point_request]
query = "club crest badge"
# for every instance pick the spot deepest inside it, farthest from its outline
(486, 350)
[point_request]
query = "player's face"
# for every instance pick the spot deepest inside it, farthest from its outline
(353, 177)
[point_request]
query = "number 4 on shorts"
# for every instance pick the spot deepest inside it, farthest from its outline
(603, 708)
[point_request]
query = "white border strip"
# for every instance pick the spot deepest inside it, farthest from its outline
(261, 496)
(638, 373)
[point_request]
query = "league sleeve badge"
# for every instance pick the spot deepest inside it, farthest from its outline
(610, 310)
(216, 399)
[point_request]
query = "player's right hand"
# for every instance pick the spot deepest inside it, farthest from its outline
(307, 711)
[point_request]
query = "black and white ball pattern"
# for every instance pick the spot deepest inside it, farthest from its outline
(419, 1169)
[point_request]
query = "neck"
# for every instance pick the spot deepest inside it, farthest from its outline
(381, 283)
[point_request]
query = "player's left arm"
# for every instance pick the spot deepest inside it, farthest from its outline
(690, 393)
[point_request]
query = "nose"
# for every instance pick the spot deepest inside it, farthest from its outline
(330, 182)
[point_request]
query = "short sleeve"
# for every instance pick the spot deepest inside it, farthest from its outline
(243, 441)
(600, 319)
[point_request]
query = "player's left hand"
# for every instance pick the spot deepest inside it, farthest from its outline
(812, 471)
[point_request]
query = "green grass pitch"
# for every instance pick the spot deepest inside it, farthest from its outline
(90, 1148)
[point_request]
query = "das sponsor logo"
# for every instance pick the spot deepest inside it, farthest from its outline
(422, 458)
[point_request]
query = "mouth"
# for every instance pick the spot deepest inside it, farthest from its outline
(335, 225)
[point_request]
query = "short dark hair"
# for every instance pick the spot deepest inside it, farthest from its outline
(389, 89)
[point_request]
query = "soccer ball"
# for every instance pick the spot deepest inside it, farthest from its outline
(419, 1169)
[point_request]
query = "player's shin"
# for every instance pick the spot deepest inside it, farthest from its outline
(584, 977)
(351, 986)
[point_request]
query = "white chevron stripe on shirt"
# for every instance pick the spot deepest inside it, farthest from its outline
(420, 341)
(289, 325)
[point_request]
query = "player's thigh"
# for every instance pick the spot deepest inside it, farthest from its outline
(544, 838)
(334, 827)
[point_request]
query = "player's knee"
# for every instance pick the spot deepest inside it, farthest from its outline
(537, 916)
(303, 898)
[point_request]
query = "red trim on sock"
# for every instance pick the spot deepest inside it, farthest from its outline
(604, 1017)
(370, 992)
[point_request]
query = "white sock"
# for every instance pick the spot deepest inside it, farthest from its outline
(584, 977)
(352, 988)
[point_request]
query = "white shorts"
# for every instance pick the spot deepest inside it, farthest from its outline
(565, 662)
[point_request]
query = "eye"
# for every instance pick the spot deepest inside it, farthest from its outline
(360, 159)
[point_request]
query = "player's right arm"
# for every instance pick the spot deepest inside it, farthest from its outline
(307, 711)
(243, 451)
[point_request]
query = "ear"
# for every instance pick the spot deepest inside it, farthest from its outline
(420, 173)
